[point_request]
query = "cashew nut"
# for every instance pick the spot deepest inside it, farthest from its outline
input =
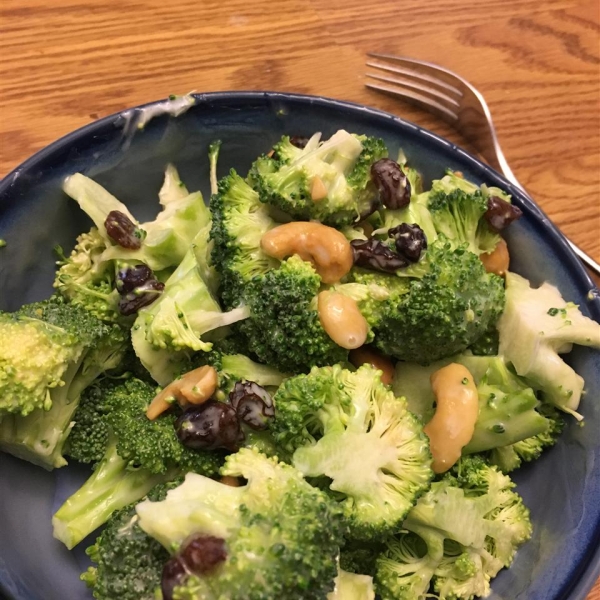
(326, 248)
(230, 480)
(195, 387)
(368, 356)
(318, 191)
(452, 426)
(497, 260)
(342, 320)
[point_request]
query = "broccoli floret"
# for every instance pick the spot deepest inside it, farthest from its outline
(536, 327)
(328, 181)
(360, 557)
(166, 239)
(128, 562)
(487, 344)
(447, 301)
(281, 535)
(284, 329)
(509, 458)
(350, 586)
(85, 279)
(49, 353)
(167, 331)
(140, 454)
(347, 426)
(465, 529)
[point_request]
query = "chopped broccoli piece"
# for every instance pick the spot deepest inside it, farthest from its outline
(350, 586)
(213, 156)
(328, 181)
(445, 303)
(281, 535)
(128, 562)
(347, 426)
(465, 529)
(140, 454)
(49, 353)
(487, 344)
(536, 327)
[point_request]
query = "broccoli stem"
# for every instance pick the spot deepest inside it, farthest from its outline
(111, 486)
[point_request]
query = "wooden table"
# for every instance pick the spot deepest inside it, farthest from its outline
(67, 62)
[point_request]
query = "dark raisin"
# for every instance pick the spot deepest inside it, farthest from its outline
(392, 183)
(374, 254)
(130, 278)
(123, 231)
(410, 240)
(298, 141)
(141, 296)
(253, 404)
(201, 554)
(209, 426)
(500, 214)
(369, 210)
(173, 575)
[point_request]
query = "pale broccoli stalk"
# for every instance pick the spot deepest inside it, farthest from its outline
(166, 332)
(275, 525)
(165, 240)
(459, 535)
(213, 157)
(536, 327)
(350, 586)
(347, 426)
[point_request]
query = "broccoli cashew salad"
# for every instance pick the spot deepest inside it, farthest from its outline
(315, 388)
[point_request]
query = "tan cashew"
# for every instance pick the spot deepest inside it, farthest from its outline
(497, 260)
(342, 320)
(195, 387)
(452, 426)
(369, 356)
(326, 248)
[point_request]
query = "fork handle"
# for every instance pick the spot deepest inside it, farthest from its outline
(585, 258)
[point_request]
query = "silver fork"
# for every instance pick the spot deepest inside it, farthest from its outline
(457, 102)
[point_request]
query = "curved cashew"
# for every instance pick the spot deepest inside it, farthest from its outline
(325, 247)
(369, 356)
(452, 426)
(342, 320)
(195, 387)
(497, 260)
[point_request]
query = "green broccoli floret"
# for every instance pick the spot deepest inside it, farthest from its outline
(487, 344)
(360, 557)
(447, 301)
(347, 426)
(350, 586)
(165, 240)
(536, 327)
(140, 454)
(239, 221)
(509, 458)
(128, 562)
(281, 535)
(284, 329)
(85, 279)
(328, 181)
(171, 328)
(465, 529)
(49, 353)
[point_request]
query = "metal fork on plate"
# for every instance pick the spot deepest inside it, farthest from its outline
(457, 102)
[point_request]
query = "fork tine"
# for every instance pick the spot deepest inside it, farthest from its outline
(415, 74)
(437, 95)
(417, 99)
(439, 75)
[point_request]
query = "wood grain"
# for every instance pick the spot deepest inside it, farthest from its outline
(67, 62)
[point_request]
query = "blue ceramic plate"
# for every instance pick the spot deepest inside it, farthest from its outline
(562, 488)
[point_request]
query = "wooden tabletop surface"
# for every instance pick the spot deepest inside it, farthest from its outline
(67, 62)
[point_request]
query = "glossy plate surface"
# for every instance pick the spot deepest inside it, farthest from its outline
(562, 489)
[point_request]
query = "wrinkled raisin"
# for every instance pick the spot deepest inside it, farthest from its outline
(253, 404)
(298, 141)
(392, 183)
(141, 296)
(173, 575)
(410, 240)
(130, 278)
(374, 254)
(123, 231)
(500, 214)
